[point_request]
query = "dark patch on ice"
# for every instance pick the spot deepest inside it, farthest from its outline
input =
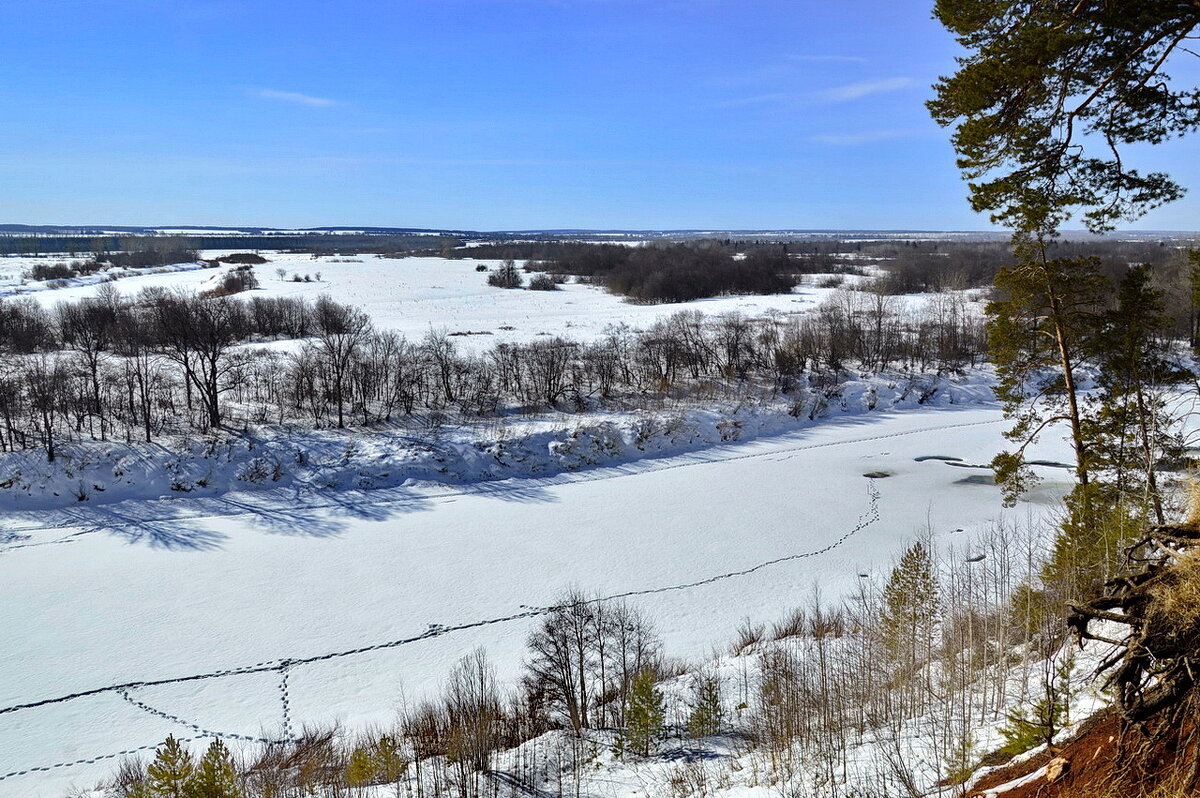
(943, 457)
(977, 479)
(1049, 463)
(969, 465)
(877, 474)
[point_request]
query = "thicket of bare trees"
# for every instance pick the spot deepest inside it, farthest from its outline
(583, 659)
(682, 273)
(662, 272)
(666, 270)
(161, 362)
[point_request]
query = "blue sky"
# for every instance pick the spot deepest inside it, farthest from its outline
(486, 114)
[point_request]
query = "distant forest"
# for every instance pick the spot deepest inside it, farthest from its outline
(678, 272)
(318, 243)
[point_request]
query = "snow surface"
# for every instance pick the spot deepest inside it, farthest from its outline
(395, 535)
(147, 590)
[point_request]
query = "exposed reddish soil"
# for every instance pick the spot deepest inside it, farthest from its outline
(1097, 762)
(1088, 767)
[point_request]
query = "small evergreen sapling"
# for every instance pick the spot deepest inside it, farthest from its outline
(961, 760)
(360, 770)
(216, 776)
(1039, 722)
(169, 775)
(643, 716)
(378, 762)
(911, 609)
(707, 716)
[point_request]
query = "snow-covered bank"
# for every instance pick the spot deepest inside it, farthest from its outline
(316, 461)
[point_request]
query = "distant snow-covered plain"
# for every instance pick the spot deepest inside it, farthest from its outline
(416, 295)
(141, 590)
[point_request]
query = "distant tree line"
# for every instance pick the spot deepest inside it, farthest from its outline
(663, 271)
(659, 272)
(320, 243)
(133, 253)
(925, 266)
(167, 362)
(139, 252)
(683, 273)
(141, 259)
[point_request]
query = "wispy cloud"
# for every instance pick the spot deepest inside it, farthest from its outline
(844, 93)
(856, 91)
(856, 138)
(294, 97)
(787, 68)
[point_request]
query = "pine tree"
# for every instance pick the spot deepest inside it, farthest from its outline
(1041, 329)
(216, 776)
(1049, 95)
(1131, 423)
(1043, 101)
(170, 774)
(911, 609)
(643, 716)
(360, 770)
(1089, 549)
(379, 762)
(1039, 722)
(707, 716)
(389, 760)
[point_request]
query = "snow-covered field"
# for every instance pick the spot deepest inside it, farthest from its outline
(252, 588)
(416, 295)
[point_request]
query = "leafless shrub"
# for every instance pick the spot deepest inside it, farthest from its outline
(313, 763)
(128, 781)
(794, 624)
(780, 713)
(748, 634)
(542, 282)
